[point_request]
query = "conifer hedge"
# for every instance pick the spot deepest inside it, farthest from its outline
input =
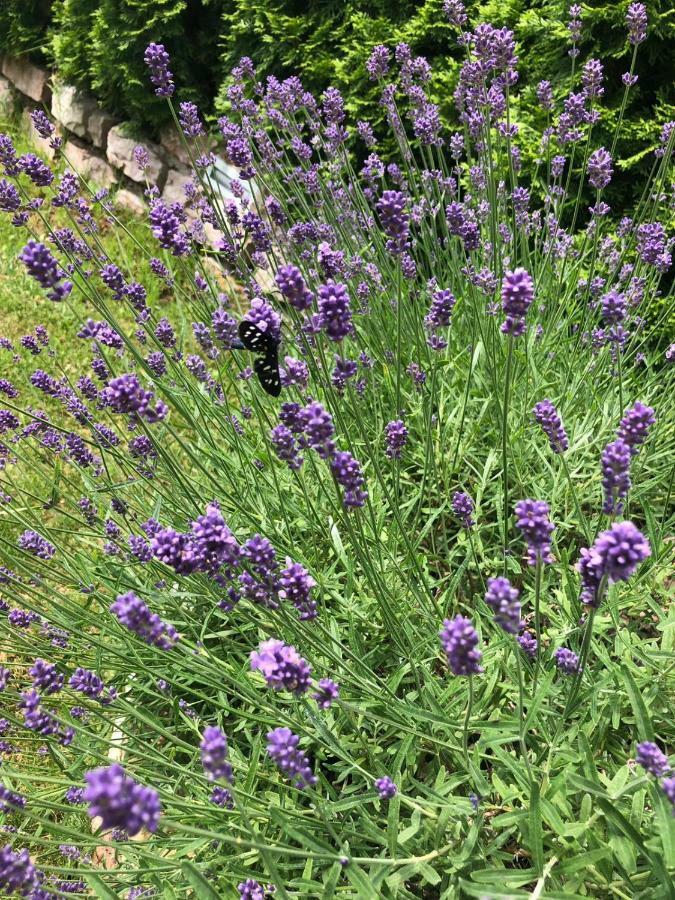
(100, 43)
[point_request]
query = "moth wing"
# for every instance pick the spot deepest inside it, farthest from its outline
(254, 339)
(267, 369)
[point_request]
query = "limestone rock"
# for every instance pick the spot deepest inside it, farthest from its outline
(72, 108)
(174, 187)
(89, 165)
(29, 79)
(120, 152)
(8, 99)
(98, 126)
(133, 203)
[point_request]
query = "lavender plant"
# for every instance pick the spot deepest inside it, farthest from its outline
(221, 610)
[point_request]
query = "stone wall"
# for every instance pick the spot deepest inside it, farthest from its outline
(95, 145)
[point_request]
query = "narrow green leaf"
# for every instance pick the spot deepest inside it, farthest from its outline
(361, 882)
(644, 724)
(100, 888)
(536, 831)
(203, 889)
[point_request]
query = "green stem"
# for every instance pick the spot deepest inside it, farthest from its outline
(505, 435)
(521, 711)
(537, 619)
(467, 717)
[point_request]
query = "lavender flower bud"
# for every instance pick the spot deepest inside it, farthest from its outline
(213, 749)
(551, 424)
(650, 757)
(566, 661)
(121, 802)
(462, 507)
(528, 644)
(532, 518)
(459, 641)
(157, 60)
(396, 435)
(502, 597)
(600, 168)
(634, 427)
(326, 694)
(517, 296)
(636, 22)
(135, 615)
(282, 747)
(395, 221)
(615, 459)
(386, 788)
(282, 666)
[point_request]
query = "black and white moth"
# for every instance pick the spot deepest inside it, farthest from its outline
(266, 366)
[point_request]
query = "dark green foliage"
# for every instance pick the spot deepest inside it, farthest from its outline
(23, 25)
(101, 44)
(329, 43)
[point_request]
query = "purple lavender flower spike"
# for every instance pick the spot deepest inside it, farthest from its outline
(157, 60)
(347, 472)
(282, 666)
(10, 801)
(396, 436)
(220, 796)
(503, 598)
(615, 460)
(135, 615)
(551, 424)
(292, 286)
(455, 12)
(652, 759)
(636, 22)
(459, 641)
(614, 306)
(282, 747)
(188, 116)
(38, 171)
(317, 424)
(45, 677)
(213, 749)
(440, 310)
(18, 875)
(326, 694)
(634, 427)
(528, 644)
(462, 507)
(600, 168)
(296, 586)
(251, 890)
(377, 65)
(668, 787)
(566, 660)
(386, 788)
(120, 801)
(395, 220)
(43, 267)
(614, 556)
(334, 313)
(34, 543)
(532, 518)
(517, 296)
(286, 447)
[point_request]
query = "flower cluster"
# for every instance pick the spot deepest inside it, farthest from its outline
(459, 641)
(282, 747)
(120, 802)
(135, 615)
